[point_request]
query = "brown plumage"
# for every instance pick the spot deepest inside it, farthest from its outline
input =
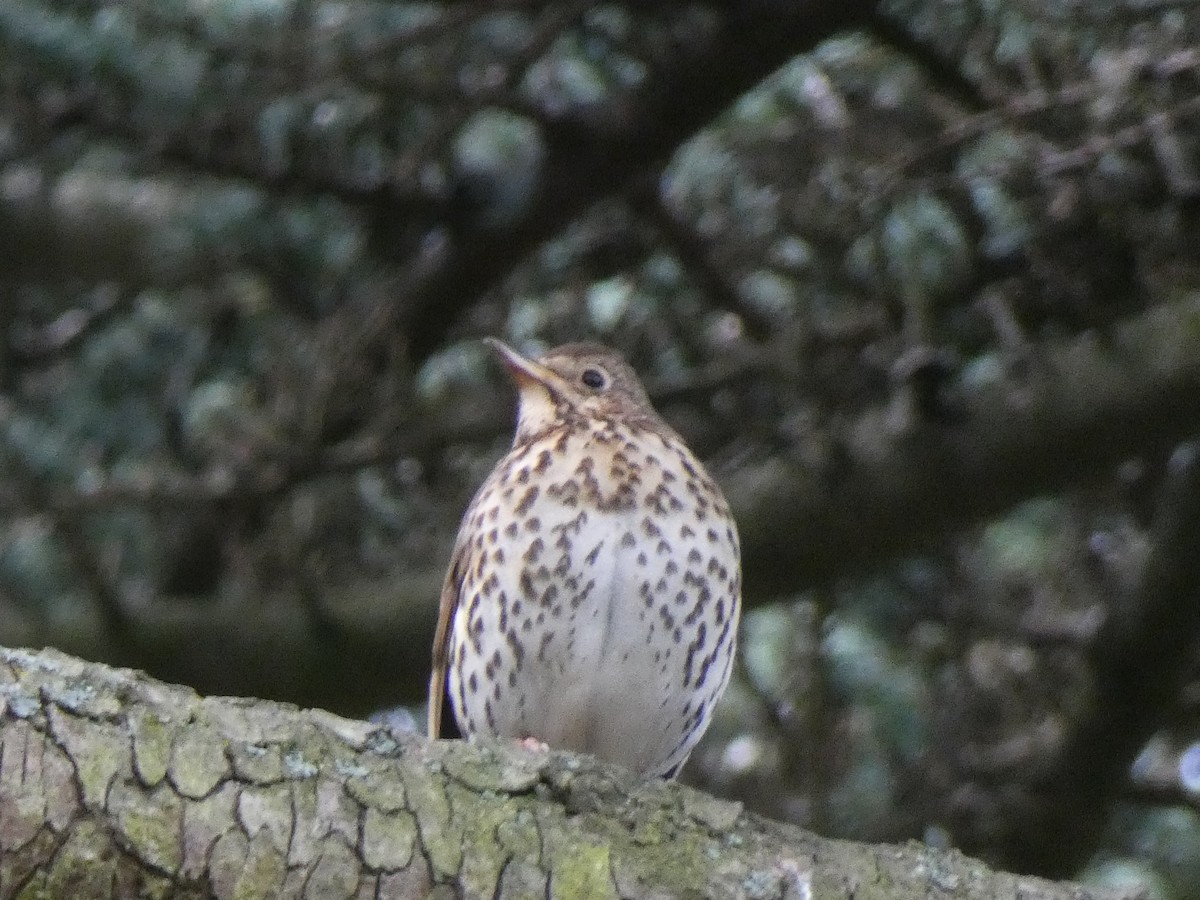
(593, 595)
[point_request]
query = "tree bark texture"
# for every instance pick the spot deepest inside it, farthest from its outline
(114, 785)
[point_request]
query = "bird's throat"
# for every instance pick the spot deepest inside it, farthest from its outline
(539, 410)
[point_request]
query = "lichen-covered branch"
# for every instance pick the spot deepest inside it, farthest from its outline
(113, 784)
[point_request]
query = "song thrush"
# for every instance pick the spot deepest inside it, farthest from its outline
(593, 596)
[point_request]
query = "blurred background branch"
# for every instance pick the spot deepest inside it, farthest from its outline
(917, 278)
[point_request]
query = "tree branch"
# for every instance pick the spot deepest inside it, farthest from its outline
(1082, 407)
(112, 784)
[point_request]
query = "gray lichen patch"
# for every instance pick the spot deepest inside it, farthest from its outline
(42, 662)
(85, 699)
(17, 702)
(298, 763)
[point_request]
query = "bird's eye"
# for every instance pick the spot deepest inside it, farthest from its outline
(594, 379)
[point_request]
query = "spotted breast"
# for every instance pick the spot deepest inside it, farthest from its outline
(594, 593)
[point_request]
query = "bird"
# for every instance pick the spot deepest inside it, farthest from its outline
(594, 591)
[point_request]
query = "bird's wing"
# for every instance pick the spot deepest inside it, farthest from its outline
(451, 590)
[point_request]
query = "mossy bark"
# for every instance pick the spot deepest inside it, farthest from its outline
(113, 784)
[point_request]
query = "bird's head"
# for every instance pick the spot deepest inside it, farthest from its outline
(586, 380)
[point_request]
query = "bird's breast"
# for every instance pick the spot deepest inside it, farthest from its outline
(599, 594)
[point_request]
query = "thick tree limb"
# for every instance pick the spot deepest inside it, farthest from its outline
(112, 784)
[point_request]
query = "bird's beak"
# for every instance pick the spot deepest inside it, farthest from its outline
(524, 371)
